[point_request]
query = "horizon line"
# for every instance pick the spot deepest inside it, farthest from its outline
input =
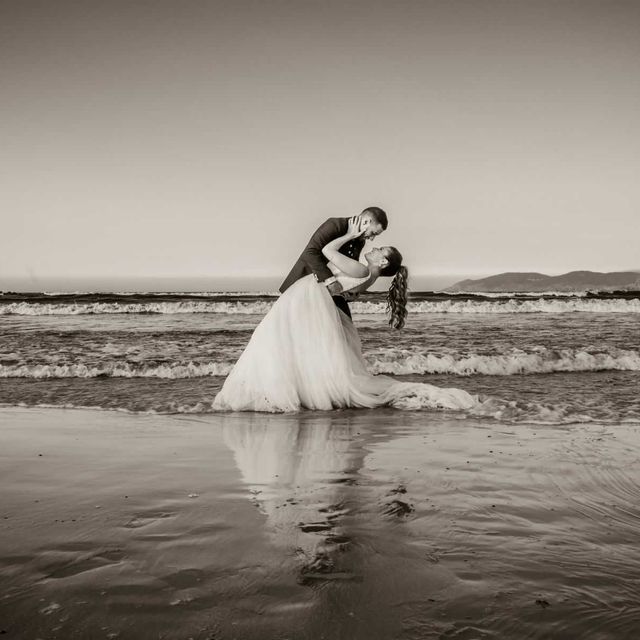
(426, 274)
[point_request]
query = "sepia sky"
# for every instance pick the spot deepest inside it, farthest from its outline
(195, 138)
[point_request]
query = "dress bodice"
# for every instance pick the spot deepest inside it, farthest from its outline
(348, 282)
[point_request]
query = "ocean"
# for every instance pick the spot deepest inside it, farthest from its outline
(131, 510)
(546, 358)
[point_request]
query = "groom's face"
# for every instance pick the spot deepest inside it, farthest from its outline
(372, 229)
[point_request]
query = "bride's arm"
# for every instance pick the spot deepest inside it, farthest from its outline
(348, 266)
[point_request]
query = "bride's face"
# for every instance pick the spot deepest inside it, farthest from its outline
(377, 257)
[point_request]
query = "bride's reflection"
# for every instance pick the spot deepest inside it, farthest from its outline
(301, 471)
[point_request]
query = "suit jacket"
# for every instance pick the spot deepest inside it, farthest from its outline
(312, 260)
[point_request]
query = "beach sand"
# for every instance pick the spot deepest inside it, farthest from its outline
(346, 524)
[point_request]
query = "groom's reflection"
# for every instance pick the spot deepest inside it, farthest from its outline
(302, 473)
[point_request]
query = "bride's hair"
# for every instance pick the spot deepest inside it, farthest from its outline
(397, 296)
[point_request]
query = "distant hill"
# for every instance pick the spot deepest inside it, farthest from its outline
(532, 282)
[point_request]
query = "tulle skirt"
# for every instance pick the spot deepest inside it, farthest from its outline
(306, 353)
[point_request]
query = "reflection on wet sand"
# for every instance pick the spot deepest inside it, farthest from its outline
(343, 535)
(360, 525)
(300, 472)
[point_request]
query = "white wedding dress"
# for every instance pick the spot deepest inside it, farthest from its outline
(306, 353)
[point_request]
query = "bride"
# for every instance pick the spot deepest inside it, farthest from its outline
(306, 353)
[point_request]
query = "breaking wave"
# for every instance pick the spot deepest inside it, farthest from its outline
(511, 306)
(539, 360)
(116, 370)
(76, 309)
(260, 307)
(388, 361)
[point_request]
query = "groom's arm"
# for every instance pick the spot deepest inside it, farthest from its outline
(312, 255)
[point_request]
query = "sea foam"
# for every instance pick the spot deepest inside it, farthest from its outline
(516, 361)
(382, 361)
(260, 307)
(456, 403)
(116, 370)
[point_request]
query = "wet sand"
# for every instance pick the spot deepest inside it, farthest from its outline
(355, 524)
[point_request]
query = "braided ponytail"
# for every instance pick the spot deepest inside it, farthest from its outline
(397, 298)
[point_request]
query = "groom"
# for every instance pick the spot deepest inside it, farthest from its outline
(312, 260)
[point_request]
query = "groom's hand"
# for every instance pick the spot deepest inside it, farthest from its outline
(335, 288)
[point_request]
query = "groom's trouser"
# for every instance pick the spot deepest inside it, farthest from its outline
(341, 303)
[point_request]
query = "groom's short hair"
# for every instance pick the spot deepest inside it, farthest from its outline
(378, 215)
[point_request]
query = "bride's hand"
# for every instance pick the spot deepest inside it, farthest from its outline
(357, 227)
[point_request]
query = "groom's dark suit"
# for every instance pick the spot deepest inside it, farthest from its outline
(312, 259)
